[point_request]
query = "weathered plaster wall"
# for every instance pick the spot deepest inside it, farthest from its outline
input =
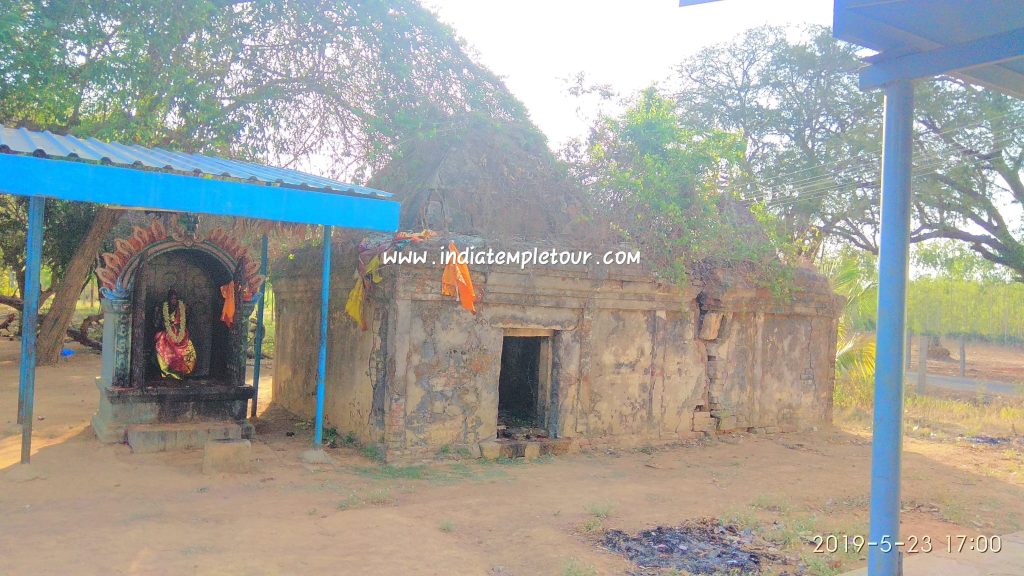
(633, 361)
(773, 365)
(349, 388)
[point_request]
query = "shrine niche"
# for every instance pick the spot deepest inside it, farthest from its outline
(176, 302)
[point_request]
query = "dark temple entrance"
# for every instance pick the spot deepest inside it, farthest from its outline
(523, 386)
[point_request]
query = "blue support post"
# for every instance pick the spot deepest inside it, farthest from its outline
(29, 323)
(887, 442)
(321, 367)
(258, 345)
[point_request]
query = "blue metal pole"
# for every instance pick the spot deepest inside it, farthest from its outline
(321, 368)
(30, 322)
(258, 345)
(887, 443)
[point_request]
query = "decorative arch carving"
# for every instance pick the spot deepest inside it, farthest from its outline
(118, 269)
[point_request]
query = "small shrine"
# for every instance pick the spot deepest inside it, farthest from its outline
(176, 301)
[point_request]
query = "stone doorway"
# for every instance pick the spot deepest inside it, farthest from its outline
(524, 384)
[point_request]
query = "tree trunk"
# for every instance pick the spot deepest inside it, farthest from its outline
(55, 325)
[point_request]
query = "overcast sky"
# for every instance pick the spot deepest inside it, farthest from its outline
(535, 44)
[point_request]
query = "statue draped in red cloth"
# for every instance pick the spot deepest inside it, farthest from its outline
(174, 350)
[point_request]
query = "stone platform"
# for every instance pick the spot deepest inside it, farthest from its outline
(183, 435)
(166, 403)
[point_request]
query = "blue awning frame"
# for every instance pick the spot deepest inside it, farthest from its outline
(134, 187)
(981, 42)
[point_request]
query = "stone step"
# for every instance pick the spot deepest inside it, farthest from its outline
(183, 435)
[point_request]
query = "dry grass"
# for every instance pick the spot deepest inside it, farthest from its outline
(936, 414)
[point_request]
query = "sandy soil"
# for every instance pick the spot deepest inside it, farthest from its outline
(984, 361)
(98, 509)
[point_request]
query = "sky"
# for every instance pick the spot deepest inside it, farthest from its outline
(535, 45)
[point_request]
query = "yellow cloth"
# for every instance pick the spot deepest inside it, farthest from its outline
(456, 281)
(356, 297)
(227, 315)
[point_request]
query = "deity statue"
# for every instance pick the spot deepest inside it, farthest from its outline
(174, 350)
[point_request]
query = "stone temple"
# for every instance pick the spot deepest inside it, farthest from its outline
(557, 357)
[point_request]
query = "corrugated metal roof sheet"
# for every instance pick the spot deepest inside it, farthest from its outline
(21, 140)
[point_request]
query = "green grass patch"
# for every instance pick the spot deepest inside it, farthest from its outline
(576, 568)
(601, 510)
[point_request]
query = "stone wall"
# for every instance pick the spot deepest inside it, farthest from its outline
(633, 361)
(771, 366)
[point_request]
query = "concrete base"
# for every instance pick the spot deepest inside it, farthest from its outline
(190, 401)
(182, 435)
(232, 456)
(316, 456)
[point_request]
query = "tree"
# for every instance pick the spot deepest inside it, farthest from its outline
(969, 157)
(659, 181)
(855, 352)
(810, 133)
(953, 260)
(813, 144)
(324, 85)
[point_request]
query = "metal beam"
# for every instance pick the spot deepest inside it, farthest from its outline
(83, 182)
(321, 365)
(945, 60)
(258, 344)
(887, 440)
(30, 323)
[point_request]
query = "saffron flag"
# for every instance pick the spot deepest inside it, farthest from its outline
(227, 314)
(456, 281)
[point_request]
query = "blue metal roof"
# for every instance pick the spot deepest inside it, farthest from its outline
(21, 140)
(980, 41)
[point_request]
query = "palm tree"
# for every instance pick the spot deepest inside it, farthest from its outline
(855, 352)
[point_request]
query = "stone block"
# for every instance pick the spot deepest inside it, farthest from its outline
(703, 422)
(179, 436)
(531, 451)
(727, 423)
(490, 449)
(710, 325)
(233, 456)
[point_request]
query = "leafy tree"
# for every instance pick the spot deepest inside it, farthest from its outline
(969, 158)
(954, 260)
(658, 180)
(326, 85)
(792, 95)
(813, 144)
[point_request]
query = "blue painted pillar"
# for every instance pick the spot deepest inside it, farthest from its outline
(321, 367)
(30, 323)
(887, 442)
(258, 345)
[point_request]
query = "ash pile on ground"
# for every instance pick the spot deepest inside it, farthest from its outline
(704, 546)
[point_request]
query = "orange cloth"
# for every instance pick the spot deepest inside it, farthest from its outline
(456, 281)
(227, 315)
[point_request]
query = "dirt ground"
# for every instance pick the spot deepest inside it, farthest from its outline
(984, 361)
(88, 508)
